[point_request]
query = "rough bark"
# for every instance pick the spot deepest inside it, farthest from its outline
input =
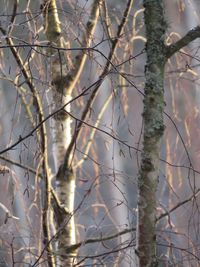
(153, 130)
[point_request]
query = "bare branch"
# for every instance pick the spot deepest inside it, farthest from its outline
(39, 109)
(98, 84)
(180, 204)
(80, 60)
(185, 40)
(100, 239)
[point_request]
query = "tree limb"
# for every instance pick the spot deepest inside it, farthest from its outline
(185, 40)
(101, 79)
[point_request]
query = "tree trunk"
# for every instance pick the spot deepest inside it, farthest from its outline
(61, 130)
(64, 80)
(153, 131)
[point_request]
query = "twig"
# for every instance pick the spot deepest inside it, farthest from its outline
(179, 205)
(29, 169)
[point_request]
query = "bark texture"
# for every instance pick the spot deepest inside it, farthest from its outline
(63, 207)
(153, 130)
(64, 79)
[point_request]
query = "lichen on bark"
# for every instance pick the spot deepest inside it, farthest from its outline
(153, 130)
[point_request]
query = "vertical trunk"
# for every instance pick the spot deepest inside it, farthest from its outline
(153, 131)
(64, 81)
(65, 182)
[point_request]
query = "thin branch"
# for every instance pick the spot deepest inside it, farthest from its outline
(171, 246)
(21, 91)
(38, 105)
(104, 254)
(27, 168)
(92, 134)
(100, 239)
(107, 22)
(80, 60)
(14, 13)
(167, 213)
(185, 40)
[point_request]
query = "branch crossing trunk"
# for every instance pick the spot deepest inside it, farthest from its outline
(64, 80)
(61, 130)
(153, 131)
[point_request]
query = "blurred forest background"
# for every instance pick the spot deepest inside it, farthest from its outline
(105, 156)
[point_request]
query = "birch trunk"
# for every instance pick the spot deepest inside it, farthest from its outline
(65, 182)
(64, 80)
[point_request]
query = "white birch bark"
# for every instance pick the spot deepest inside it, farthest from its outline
(64, 80)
